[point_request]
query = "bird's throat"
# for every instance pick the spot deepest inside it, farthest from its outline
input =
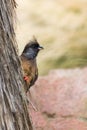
(30, 56)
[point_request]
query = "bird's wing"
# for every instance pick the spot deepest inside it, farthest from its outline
(30, 71)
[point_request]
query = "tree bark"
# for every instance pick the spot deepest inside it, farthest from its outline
(13, 107)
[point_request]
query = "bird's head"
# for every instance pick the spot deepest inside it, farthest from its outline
(31, 49)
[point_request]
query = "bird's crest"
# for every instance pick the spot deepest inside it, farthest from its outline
(33, 41)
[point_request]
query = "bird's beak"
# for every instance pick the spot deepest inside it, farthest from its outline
(40, 48)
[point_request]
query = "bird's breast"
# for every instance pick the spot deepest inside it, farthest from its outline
(30, 70)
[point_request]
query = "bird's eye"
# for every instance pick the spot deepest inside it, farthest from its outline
(35, 45)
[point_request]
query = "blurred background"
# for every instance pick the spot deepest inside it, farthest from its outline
(60, 26)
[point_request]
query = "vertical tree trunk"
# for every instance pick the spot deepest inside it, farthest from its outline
(13, 109)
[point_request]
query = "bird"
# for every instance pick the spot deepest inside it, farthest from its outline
(29, 62)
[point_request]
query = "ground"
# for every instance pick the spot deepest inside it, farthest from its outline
(61, 100)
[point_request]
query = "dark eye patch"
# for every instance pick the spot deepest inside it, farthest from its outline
(35, 46)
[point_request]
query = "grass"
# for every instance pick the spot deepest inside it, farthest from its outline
(74, 9)
(60, 26)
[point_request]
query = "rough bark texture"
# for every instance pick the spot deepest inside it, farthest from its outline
(13, 108)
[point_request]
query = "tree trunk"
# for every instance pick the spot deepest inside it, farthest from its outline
(13, 108)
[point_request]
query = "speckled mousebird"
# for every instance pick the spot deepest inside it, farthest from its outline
(29, 64)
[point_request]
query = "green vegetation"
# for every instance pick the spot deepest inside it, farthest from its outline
(61, 27)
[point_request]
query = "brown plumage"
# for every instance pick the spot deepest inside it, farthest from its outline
(28, 61)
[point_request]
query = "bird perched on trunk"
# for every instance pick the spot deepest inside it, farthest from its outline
(28, 61)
